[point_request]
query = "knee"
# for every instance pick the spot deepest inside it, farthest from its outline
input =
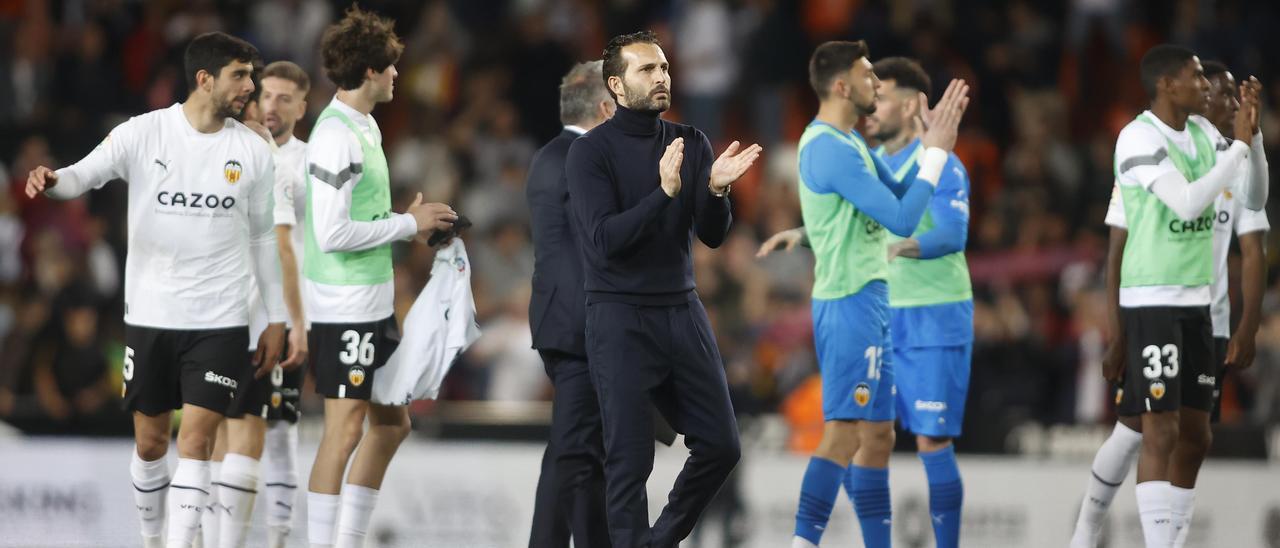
(722, 452)
(878, 441)
(195, 443)
(929, 444)
(1196, 440)
(152, 445)
(346, 435)
(1160, 433)
(398, 431)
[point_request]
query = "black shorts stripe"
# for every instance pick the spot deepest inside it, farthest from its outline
(287, 485)
(141, 490)
(236, 487)
(287, 506)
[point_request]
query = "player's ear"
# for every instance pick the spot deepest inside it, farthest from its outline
(615, 85)
(203, 78)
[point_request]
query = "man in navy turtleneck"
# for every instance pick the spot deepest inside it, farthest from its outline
(640, 187)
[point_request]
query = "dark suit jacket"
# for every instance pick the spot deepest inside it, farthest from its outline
(557, 310)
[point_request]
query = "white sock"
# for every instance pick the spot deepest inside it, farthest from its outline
(357, 510)
(237, 489)
(1155, 512)
(322, 515)
(801, 542)
(187, 498)
(1110, 466)
(150, 486)
(277, 536)
(1183, 505)
(212, 517)
(280, 474)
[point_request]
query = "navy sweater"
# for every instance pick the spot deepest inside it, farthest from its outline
(636, 240)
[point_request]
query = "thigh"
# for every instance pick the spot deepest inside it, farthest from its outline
(852, 342)
(150, 371)
(253, 395)
(212, 362)
(345, 356)
(930, 388)
(626, 363)
(575, 410)
(1199, 369)
(699, 394)
(1219, 357)
(1153, 360)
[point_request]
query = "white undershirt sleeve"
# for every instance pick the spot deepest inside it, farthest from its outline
(1187, 200)
(1255, 191)
(262, 244)
(334, 169)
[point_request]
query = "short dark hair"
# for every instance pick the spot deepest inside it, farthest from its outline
(905, 73)
(361, 40)
(288, 70)
(1161, 61)
(213, 50)
(830, 59)
(614, 65)
(1214, 68)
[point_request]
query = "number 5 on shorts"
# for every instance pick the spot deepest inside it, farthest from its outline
(359, 349)
(1154, 368)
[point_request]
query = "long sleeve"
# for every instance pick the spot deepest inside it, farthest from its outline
(1142, 159)
(334, 170)
(108, 161)
(843, 171)
(606, 228)
(1189, 201)
(1259, 181)
(262, 245)
(712, 214)
(950, 211)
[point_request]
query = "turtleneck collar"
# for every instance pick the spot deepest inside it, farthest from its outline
(635, 122)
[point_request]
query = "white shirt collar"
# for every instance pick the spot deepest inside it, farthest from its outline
(575, 129)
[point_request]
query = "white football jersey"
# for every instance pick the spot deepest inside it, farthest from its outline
(199, 207)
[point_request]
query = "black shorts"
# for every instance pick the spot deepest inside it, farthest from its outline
(345, 356)
(273, 397)
(1220, 357)
(166, 368)
(1170, 361)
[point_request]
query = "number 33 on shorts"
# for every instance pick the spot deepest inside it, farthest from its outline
(1157, 368)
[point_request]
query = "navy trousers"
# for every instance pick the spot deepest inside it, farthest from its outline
(666, 355)
(570, 496)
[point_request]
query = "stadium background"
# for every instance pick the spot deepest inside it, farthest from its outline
(1053, 82)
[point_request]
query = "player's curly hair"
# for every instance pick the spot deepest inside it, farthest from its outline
(613, 63)
(361, 40)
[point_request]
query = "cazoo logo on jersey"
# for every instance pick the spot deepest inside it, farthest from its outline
(195, 200)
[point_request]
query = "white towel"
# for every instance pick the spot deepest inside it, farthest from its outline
(440, 326)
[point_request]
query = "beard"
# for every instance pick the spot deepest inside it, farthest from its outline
(640, 101)
(226, 108)
(885, 133)
(866, 109)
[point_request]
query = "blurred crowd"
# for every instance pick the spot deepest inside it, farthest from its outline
(1053, 83)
